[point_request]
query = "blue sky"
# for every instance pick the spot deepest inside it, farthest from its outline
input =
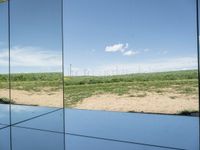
(35, 36)
(102, 37)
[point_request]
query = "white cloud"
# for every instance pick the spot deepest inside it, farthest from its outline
(116, 47)
(126, 46)
(123, 48)
(4, 58)
(4, 54)
(130, 53)
(31, 57)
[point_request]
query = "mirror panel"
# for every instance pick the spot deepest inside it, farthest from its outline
(4, 137)
(36, 62)
(130, 75)
(4, 65)
(129, 64)
(4, 79)
(119, 58)
(42, 139)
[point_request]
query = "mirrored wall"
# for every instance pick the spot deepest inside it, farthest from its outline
(4, 66)
(99, 74)
(36, 58)
(4, 79)
(31, 80)
(131, 56)
(131, 70)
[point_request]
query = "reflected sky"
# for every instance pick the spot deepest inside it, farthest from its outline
(35, 38)
(5, 139)
(21, 113)
(3, 38)
(128, 36)
(162, 130)
(165, 130)
(4, 114)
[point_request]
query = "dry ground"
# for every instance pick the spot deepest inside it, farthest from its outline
(151, 102)
(44, 98)
(170, 103)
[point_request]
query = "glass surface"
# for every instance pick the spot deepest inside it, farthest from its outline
(36, 59)
(5, 138)
(55, 141)
(160, 130)
(125, 56)
(22, 113)
(4, 114)
(4, 79)
(51, 121)
(4, 65)
(80, 143)
(131, 56)
(38, 140)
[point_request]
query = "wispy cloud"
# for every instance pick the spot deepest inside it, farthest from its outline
(116, 47)
(31, 57)
(130, 53)
(123, 48)
(4, 58)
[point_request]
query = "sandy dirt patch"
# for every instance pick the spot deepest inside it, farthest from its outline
(151, 102)
(43, 98)
(170, 103)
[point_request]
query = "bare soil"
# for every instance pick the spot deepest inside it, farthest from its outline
(150, 103)
(170, 103)
(44, 98)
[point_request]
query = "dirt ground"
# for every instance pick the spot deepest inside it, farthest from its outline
(170, 103)
(151, 103)
(51, 99)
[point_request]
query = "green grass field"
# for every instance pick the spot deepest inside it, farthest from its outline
(80, 87)
(32, 81)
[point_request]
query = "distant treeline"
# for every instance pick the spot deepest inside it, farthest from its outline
(79, 80)
(31, 77)
(139, 77)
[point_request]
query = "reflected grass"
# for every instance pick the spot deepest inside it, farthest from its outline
(80, 87)
(182, 82)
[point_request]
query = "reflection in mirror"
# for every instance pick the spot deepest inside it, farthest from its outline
(127, 59)
(4, 65)
(119, 58)
(36, 60)
(4, 138)
(43, 140)
(4, 78)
